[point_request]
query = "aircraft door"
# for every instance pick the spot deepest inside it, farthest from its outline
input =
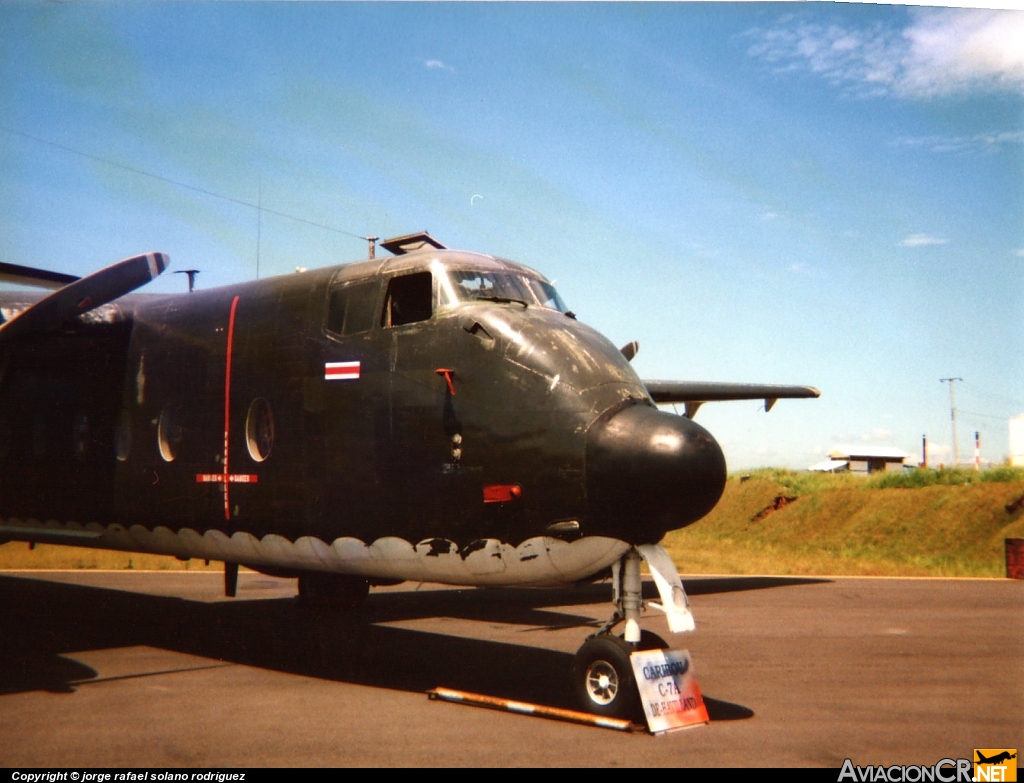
(419, 434)
(344, 396)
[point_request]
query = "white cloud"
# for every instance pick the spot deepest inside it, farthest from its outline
(943, 51)
(863, 58)
(979, 142)
(1019, 252)
(953, 50)
(437, 64)
(922, 240)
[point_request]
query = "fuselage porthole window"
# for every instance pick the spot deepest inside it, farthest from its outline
(40, 435)
(169, 433)
(259, 429)
(81, 437)
(123, 436)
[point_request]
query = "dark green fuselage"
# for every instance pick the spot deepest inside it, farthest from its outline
(242, 409)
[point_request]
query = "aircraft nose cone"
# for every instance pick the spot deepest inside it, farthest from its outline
(648, 472)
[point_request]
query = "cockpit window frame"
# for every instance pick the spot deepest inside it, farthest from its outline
(510, 286)
(406, 286)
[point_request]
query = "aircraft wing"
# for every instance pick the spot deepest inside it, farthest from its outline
(40, 278)
(696, 393)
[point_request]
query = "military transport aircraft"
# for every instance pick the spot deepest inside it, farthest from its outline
(436, 415)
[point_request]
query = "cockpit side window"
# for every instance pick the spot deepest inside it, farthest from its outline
(351, 308)
(410, 299)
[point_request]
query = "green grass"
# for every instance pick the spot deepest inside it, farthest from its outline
(808, 482)
(927, 477)
(802, 483)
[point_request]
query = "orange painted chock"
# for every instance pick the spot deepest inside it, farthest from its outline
(523, 708)
(1015, 558)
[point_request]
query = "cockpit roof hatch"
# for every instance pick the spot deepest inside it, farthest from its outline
(399, 246)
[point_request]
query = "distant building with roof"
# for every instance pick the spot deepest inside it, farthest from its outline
(863, 459)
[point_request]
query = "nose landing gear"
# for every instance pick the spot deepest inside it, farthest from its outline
(602, 671)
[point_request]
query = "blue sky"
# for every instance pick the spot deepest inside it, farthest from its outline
(785, 193)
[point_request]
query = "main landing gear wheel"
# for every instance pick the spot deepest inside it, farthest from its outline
(604, 679)
(327, 591)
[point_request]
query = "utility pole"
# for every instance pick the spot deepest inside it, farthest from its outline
(952, 415)
(373, 246)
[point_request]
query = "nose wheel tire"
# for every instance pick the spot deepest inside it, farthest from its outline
(604, 678)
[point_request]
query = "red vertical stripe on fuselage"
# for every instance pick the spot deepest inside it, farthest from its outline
(227, 404)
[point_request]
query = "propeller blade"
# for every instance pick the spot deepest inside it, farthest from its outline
(85, 294)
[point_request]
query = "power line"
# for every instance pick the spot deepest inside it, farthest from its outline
(985, 415)
(993, 395)
(175, 182)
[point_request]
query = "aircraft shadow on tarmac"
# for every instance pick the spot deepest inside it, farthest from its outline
(44, 620)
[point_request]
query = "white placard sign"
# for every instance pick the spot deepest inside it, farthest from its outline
(668, 689)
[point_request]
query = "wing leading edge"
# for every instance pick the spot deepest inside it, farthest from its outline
(696, 393)
(39, 278)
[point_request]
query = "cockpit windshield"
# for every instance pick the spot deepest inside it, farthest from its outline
(469, 285)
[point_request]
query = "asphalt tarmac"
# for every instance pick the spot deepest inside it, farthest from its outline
(159, 670)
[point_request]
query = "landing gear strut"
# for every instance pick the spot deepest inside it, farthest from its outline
(603, 674)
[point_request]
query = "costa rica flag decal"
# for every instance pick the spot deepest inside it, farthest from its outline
(341, 371)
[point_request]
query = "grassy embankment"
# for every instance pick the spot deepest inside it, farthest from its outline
(923, 523)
